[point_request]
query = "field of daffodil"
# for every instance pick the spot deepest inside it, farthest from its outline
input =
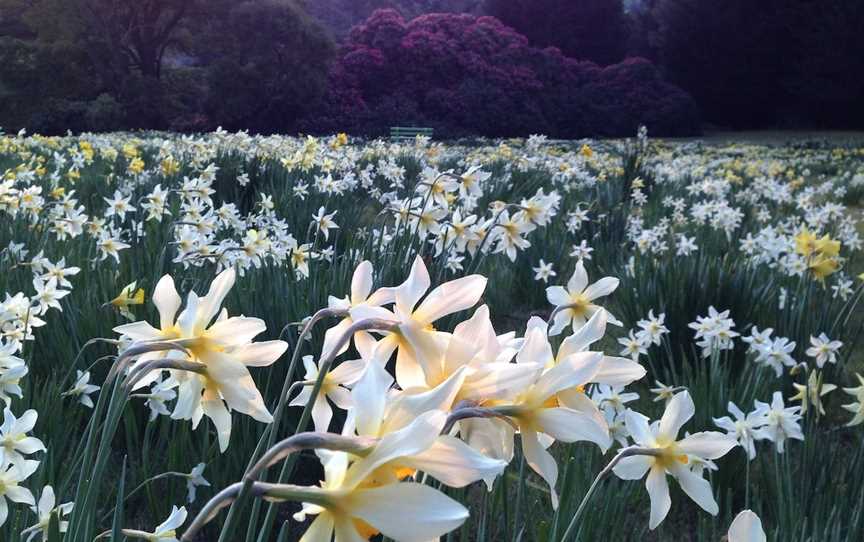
(246, 338)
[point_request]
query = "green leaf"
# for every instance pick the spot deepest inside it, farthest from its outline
(117, 522)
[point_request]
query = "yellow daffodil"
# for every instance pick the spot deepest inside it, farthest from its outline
(128, 296)
(811, 393)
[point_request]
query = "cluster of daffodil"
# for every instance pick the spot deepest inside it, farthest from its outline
(394, 398)
(453, 411)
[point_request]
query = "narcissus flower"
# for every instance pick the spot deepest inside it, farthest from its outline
(45, 509)
(672, 457)
(415, 336)
(345, 374)
(856, 407)
(810, 394)
(165, 531)
(575, 303)
(781, 422)
(745, 428)
(405, 511)
(823, 349)
(13, 436)
(746, 527)
(380, 412)
(82, 389)
(221, 344)
(128, 296)
(361, 295)
(11, 475)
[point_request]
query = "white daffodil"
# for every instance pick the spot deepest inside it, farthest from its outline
(221, 344)
(324, 222)
(195, 479)
(672, 457)
(613, 397)
(45, 509)
(415, 338)
(332, 388)
(745, 428)
(857, 406)
(810, 393)
(633, 346)
(482, 358)
(82, 389)
(12, 474)
(361, 294)
(746, 527)
(781, 422)
(823, 349)
(575, 303)
(405, 511)
(541, 413)
(160, 394)
(379, 412)
(13, 436)
(165, 531)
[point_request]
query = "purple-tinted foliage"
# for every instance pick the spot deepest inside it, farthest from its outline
(465, 75)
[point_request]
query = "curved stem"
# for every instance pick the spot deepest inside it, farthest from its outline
(626, 452)
(141, 486)
(307, 441)
(368, 324)
(268, 438)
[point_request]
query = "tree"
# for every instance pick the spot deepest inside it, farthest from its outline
(266, 64)
(594, 30)
(468, 75)
(340, 15)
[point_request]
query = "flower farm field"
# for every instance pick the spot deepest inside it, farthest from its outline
(245, 338)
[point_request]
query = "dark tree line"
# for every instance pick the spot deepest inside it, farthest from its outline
(179, 64)
(289, 65)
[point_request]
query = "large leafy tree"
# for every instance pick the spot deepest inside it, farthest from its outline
(267, 63)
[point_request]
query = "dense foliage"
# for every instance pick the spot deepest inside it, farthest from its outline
(460, 73)
(339, 16)
(566, 68)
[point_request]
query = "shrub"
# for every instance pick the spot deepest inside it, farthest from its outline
(464, 75)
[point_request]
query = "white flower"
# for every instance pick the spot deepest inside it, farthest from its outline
(576, 303)
(13, 436)
(222, 345)
(652, 328)
(324, 222)
(11, 474)
(195, 479)
(776, 354)
(673, 457)
(746, 527)
(45, 509)
(633, 346)
(82, 389)
(165, 531)
(781, 423)
(745, 429)
(824, 350)
(346, 374)
(758, 339)
(613, 396)
(543, 271)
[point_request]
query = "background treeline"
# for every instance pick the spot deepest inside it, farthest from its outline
(567, 68)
